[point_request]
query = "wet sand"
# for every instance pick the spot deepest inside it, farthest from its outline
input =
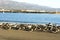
(24, 35)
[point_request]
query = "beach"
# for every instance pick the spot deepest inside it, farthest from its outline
(25, 35)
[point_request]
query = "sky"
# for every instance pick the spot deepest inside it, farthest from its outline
(49, 3)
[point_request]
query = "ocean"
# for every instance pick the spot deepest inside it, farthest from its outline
(35, 18)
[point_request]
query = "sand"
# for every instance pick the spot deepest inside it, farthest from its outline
(24, 35)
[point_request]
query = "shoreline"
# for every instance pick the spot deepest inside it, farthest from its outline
(29, 23)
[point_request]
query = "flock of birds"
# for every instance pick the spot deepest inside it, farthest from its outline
(52, 28)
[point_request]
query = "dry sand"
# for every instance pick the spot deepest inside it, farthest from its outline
(24, 35)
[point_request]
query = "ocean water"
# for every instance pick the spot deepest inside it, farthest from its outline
(30, 18)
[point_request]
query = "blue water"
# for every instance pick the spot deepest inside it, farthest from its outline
(30, 18)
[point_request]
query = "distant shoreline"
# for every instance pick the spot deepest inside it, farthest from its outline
(27, 11)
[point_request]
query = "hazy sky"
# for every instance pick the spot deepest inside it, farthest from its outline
(50, 3)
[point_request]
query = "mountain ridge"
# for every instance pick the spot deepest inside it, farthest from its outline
(9, 4)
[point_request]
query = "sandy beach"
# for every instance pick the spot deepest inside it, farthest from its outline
(24, 35)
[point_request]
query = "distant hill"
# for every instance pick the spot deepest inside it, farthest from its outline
(9, 4)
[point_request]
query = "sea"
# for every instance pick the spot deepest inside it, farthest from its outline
(33, 18)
